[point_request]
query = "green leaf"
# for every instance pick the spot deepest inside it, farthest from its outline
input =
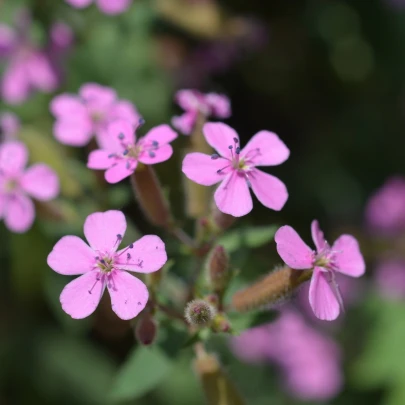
(142, 372)
(242, 321)
(251, 237)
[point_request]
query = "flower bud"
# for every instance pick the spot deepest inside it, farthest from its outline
(220, 220)
(149, 194)
(146, 329)
(221, 323)
(199, 312)
(218, 268)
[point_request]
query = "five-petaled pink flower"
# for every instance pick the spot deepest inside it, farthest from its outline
(344, 257)
(29, 67)
(9, 126)
(80, 117)
(106, 6)
(194, 103)
(122, 151)
(101, 266)
(236, 168)
(18, 185)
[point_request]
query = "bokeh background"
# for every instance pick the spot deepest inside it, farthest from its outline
(329, 78)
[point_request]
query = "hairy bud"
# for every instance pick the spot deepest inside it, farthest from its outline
(221, 323)
(277, 286)
(146, 329)
(199, 312)
(150, 196)
(218, 268)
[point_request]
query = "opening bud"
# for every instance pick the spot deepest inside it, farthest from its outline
(146, 329)
(199, 313)
(218, 268)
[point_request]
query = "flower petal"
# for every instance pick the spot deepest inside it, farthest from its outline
(79, 3)
(40, 72)
(41, 182)
(99, 160)
(67, 105)
(219, 104)
(269, 190)
(317, 236)
(102, 96)
(15, 87)
(3, 204)
(119, 133)
(232, 196)
(322, 298)
(347, 256)
(292, 249)
(13, 157)
(129, 295)
(71, 256)
(202, 169)
(81, 296)
(120, 171)
(159, 155)
(220, 136)
(147, 255)
(8, 40)
(189, 99)
(74, 133)
(265, 149)
(113, 7)
(185, 122)
(102, 229)
(125, 110)
(19, 214)
(161, 133)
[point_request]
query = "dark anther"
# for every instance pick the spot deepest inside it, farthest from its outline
(119, 236)
(235, 140)
(121, 136)
(131, 245)
(152, 154)
(155, 143)
(126, 151)
(128, 256)
(230, 147)
(214, 156)
(97, 257)
(128, 165)
(219, 171)
(237, 150)
(102, 261)
(111, 155)
(141, 121)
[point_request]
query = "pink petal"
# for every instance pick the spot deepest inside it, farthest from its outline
(71, 256)
(3, 204)
(120, 132)
(185, 122)
(189, 100)
(104, 229)
(317, 236)
(101, 96)
(73, 133)
(120, 171)
(232, 196)
(99, 159)
(41, 182)
(347, 256)
(162, 134)
(81, 296)
(147, 255)
(265, 149)
(113, 7)
(201, 169)
(220, 105)
(322, 298)
(7, 40)
(161, 154)
(269, 190)
(15, 87)
(61, 36)
(67, 106)
(20, 213)
(292, 249)
(79, 3)
(40, 72)
(9, 126)
(13, 157)
(124, 109)
(220, 136)
(129, 295)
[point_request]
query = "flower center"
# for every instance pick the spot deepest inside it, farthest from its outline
(105, 264)
(10, 185)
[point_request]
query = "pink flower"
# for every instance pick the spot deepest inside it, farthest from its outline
(28, 66)
(343, 257)
(122, 151)
(101, 266)
(309, 359)
(78, 118)
(9, 126)
(106, 6)
(385, 211)
(194, 103)
(236, 169)
(18, 185)
(390, 278)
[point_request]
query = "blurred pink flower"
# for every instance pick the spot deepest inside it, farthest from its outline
(344, 256)
(193, 103)
(18, 185)
(101, 266)
(389, 277)
(121, 154)
(28, 66)
(9, 126)
(80, 117)
(309, 360)
(385, 211)
(106, 6)
(236, 169)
